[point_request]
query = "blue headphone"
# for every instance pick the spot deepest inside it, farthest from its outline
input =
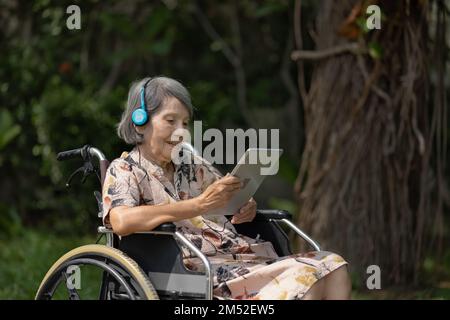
(140, 116)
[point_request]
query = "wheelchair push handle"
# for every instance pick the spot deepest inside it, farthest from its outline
(69, 154)
(86, 153)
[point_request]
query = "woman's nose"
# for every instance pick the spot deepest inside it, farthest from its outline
(179, 134)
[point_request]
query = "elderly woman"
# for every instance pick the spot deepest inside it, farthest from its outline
(145, 188)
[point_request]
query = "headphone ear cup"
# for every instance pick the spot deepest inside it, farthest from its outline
(139, 117)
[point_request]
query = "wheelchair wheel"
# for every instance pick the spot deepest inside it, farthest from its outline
(116, 275)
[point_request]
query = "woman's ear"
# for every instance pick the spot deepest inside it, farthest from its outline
(139, 129)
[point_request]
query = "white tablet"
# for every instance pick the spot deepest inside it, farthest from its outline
(254, 166)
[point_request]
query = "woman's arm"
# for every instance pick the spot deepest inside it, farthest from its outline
(126, 220)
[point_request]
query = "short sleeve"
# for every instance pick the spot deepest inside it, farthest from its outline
(120, 188)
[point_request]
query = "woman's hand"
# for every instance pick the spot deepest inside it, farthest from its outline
(246, 214)
(218, 193)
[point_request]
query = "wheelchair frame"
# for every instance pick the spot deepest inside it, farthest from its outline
(177, 284)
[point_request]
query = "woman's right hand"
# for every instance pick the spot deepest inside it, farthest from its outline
(218, 193)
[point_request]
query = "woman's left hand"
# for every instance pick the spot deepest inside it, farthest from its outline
(246, 214)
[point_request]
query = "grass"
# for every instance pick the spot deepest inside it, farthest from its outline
(27, 256)
(431, 293)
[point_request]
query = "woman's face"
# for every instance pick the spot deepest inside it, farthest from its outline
(158, 132)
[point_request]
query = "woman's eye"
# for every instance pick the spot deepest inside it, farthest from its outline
(171, 121)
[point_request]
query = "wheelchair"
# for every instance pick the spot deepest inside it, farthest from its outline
(149, 265)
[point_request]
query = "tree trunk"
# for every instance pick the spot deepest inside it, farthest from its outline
(369, 186)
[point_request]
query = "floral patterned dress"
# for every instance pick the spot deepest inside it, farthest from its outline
(244, 268)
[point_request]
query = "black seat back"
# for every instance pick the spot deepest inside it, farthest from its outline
(269, 231)
(160, 257)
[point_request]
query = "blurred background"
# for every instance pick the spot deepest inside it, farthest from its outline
(362, 115)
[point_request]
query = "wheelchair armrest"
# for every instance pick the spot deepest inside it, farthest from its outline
(275, 214)
(166, 227)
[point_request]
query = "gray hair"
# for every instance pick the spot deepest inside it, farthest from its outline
(156, 92)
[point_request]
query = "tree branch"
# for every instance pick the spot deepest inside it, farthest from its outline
(299, 45)
(212, 33)
(234, 57)
(352, 47)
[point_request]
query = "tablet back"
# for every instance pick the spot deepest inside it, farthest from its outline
(254, 166)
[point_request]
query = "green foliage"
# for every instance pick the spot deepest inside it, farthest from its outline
(61, 89)
(211, 105)
(29, 256)
(8, 129)
(283, 204)
(361, 22)
(375, 50)
(10, 221)
(269, 8)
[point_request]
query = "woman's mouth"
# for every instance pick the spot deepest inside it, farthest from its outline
(173, 143)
